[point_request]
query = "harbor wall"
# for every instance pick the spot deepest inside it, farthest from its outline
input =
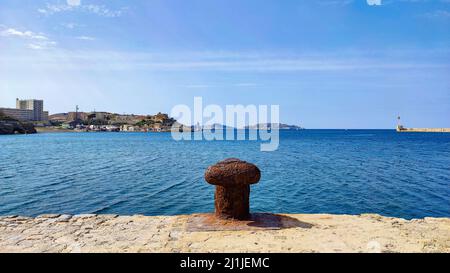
(424, 130)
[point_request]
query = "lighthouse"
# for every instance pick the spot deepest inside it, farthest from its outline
(399, 125)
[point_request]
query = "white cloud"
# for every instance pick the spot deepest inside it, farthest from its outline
(102, 11)
(71, 25)
(35, 46)
(201, 86)
(99, 10)
(438, 14)
(41, 44)
(11, 32)
(73, 2)
(246, 84)
(335, 2)
(51, 9)
(198, 86)
(374, 2)
(85, 38)
(134, 61)
(35, 40)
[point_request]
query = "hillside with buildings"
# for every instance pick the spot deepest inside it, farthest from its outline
(32, 112)
(105, 121)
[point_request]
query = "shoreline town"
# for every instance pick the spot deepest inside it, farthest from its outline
(30, 114)
(30, 117)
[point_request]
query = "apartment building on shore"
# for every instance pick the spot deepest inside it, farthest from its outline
(27, 110)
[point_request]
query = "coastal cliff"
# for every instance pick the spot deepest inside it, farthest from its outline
(300, 233)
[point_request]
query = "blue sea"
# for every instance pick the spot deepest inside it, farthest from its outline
(314, 171)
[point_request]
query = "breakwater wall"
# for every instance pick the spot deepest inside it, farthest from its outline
(423, 130)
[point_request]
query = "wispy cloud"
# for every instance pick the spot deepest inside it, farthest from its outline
(198, 86)
(41, 45)
(85, 38)
(33, 40)
(73, 2)
(99, 10)
(374, 2)
(246, 84)
(209, 85)
(437, 14)
(134, 61)
(71, 25)
(11, 32)
(335, 2)
(389, 2)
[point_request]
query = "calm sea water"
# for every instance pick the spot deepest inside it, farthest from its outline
(314, 171)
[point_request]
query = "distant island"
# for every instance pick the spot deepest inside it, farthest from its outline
(269, 126)
(260, 126)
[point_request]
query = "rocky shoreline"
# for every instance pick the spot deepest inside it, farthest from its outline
(9, 126)
(298, 233)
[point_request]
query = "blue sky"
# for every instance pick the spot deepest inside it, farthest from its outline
(328, 64)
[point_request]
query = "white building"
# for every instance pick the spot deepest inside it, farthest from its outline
(27, 110)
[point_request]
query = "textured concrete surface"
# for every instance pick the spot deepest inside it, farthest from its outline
(300, 233)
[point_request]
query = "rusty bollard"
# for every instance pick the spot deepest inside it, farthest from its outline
(232, 178)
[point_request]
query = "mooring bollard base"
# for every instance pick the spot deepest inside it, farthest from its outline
(232, 202)
(256, 221)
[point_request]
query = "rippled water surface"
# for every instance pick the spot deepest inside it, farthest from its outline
(314, 171)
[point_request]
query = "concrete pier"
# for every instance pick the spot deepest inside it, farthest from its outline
(402, 129)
